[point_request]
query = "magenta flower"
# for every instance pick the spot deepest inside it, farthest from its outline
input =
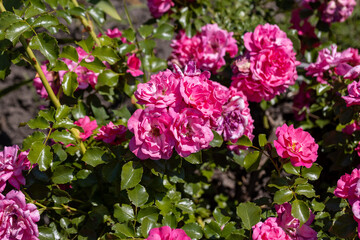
(87, 126)
(11, 167)
(85, 77)
(152, 136)
(347, 186)
(354, 94)
(166, 233)
(337, 10)
(161, 91)
(236, 119)
(268, 67)
(134, 64)
(159, 7)
(191, 131)
(53, 79)
(18, 218)
(351, 128)
(113, 33)
(297, 145)
(353, 73)
(112, 134)
(201, 93)
(291, 225)
(207, 48)
(269, 230)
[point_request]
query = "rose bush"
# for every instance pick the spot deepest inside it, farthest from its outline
(248, 130)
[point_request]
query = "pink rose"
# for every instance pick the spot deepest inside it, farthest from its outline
(84, 75)
(11, 167)
(134, 64)
(191, 131)
(297, 145)
(269, 230)
(113, 33)
(351, 128)
(291, 225)
(337, 10)
(87, 125)
(201, 93)
(161, 91)
(347, 186)
(112, 134)
(354, 94)
(159, 7)
(265, 37)
(53, 79)
(166, 233)
(353, 73)
(236, 119)
(207, 48)
(18, 218)
(152, 136)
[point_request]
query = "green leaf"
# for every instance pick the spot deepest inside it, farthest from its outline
(169, 220)
(149, 212)
(322, 88)
(47, 45)
(40, 154)
(64, 123)
(138, 196)
(289, 168)
(300, 210)
(251, 161)
(129, 34)
(70, 83)
(59, 151)
(123, 213)
(145, 30)
(194, 158)
(62, 112)
(262, 140)
(7, 19)
(317, 206)
(344, 227)
(164, 31)
(87, 44)
(107, 78)
(79, 110)
(93, 156)
(305, 189)
(243, 141)
(45, 21)
(212, 229)
(62, 175)
(146, 226)
(131, 175)
(77, 11)
(38, 122)
(48, 114)
(249, 214)
(106, 54)
(283, 196)
(219, 217)
(126, 48)
(312, 173)
(193, 230)
(124, 229)
(107, 7)
(62, 136)
(147, 46)
(96, 65)
(122, 113)
(217, 140)
(186, 205)
(70, 52)
(35, 137)
(16, 30)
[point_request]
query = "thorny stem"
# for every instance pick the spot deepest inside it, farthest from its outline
(44, 81)
(272, 160)
(87, 25)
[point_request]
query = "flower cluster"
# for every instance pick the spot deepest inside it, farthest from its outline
(87, 126)
(159, 7)
(11, 167)
(181, 111)
(331, 63)
(207, 48)
(348, 187)
(18, 218)
(166, 233)
(85, 77)
(297, 145)
(337, 10)
(284, 227)
(268, 67)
